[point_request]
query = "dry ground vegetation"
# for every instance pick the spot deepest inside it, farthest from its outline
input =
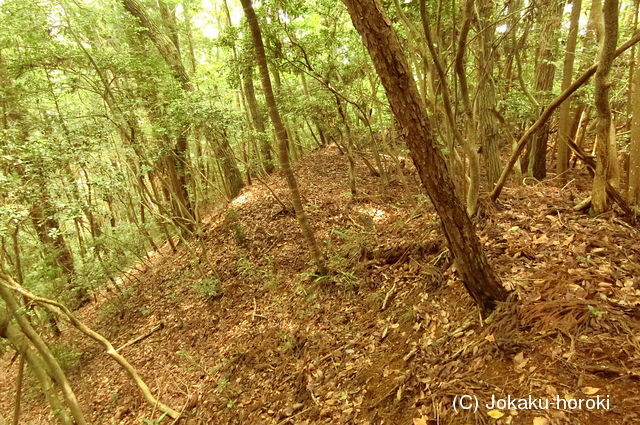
(391, 339)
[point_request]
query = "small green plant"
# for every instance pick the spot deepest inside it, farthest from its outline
(232, 220)
(347, 280)
(156, 422)
(68, 358)
(208, 288)
(222, 384)
(249, 270)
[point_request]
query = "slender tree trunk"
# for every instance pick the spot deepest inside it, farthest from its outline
(282, 137)
(38, 343)
(258, 120)
(37, 367)
(602, 82)
(564, 118)
(634, 154)
(169, 51)
(391, 64)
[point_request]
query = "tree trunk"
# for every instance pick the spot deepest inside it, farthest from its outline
(282, 137)
(486, 100)
(258, 120)
(545, 73)
(391, 65)
(602, 82)
(634, 152)
(564, 118)
(37, 367)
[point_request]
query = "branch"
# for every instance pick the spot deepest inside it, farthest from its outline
(60, 309)
(548, 111)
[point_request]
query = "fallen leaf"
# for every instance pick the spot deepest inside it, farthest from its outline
(590, 390)
(495, 414)
(540, 420)
(420, 421)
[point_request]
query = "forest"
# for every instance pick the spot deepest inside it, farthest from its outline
(305, 212)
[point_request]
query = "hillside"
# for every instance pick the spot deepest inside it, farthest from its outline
(391, 339)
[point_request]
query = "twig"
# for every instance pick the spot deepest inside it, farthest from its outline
(143, 336)
(386, 298)
(410, 354)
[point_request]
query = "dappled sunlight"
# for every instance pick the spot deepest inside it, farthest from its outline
(243, 199)
(377, 215)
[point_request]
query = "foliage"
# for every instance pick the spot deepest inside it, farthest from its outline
(208, 288)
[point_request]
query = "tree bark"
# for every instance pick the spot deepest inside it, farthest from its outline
(633, 193)
(485, 102)
(602, 82)
(392, 67)
(548, 111)
(564, 121)
(282, 137)
(545, 73)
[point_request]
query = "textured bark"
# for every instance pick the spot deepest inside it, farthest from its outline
(468, 145)
(602, 84)
(485, 102)
(564, 118)
(282, 137)
(224, 154)
(633, 194)
(390, 63)
(545, 73)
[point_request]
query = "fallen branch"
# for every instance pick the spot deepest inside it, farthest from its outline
(546, 114)
(60, 309)
(141, 337)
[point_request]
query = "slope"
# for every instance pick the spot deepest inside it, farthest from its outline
(243, 332)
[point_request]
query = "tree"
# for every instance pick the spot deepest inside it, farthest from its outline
(602, 83)
(391, 65)
(282, 137)
(564, 123)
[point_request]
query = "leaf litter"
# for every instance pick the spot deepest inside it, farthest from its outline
(392, 338)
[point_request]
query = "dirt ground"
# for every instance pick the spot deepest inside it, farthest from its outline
(250, 336)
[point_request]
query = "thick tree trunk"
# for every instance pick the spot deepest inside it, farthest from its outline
(390, 63)
(602, 82)
(545, 73)
(49, 233)
(282, 137)
(224, 154)
(485, 102)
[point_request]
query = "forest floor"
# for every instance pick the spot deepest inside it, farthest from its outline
(392, 339)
